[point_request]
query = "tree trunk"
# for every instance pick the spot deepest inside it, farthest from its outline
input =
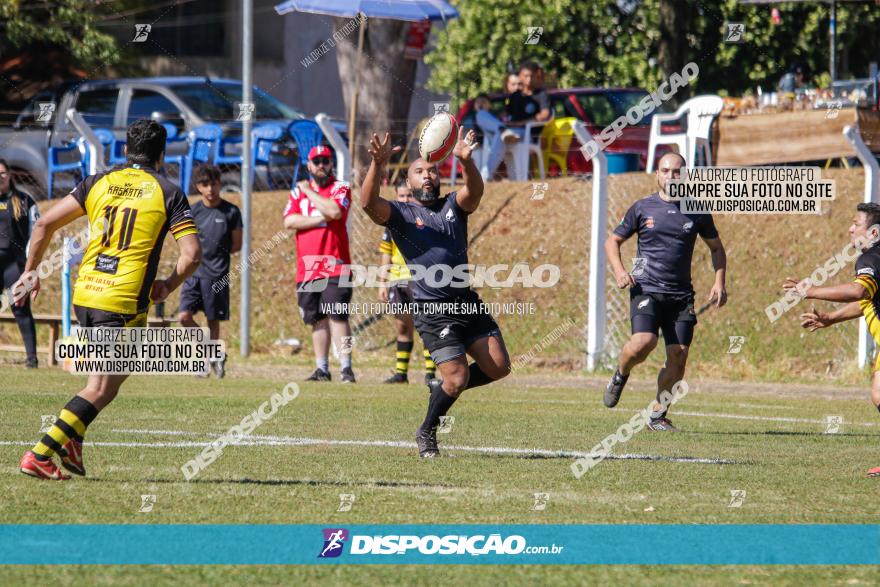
(386, 84)
(673, 47)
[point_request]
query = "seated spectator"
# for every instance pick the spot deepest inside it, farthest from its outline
(487, 122)
(530, 104)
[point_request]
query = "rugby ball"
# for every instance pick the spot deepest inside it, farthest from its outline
(438, 137)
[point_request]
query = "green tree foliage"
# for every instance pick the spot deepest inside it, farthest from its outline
(62, 23)
(617, 42)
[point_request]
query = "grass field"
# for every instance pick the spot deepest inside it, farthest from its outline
(332, 440)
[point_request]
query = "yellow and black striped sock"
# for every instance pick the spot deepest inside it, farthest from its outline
(404, 350)
(430, 367)
(71, 423)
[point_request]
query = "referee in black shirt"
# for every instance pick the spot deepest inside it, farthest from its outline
(18, 212)
(661, 295)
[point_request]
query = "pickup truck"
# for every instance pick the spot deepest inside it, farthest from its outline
(185, 102)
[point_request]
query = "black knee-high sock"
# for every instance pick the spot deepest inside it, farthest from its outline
(438, 405)
(25, 320)
(477, 377)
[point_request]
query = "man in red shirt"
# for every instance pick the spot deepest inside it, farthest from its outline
(317, 210)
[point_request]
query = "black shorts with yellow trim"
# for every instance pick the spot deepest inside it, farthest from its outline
(95, 318)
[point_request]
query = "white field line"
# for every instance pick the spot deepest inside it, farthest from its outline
(259, 440)
(396, 444)
(767, 418)
(695, 414)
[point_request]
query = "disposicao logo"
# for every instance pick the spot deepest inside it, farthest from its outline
(334, 540)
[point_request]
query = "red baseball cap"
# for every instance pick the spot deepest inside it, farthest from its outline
(319, 151)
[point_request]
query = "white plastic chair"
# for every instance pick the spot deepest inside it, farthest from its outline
(523, 150)
(482, 154)
(700, 111)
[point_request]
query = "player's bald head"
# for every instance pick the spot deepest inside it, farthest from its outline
(668, 168)
(670, 160)
(419, 163)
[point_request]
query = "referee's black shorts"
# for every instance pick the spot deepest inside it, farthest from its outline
(673, 314)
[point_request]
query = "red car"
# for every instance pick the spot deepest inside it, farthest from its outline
(597, 107)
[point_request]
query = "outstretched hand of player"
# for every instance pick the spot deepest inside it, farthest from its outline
(29, 282)
(160, 291)
(381, 151)
(465, 145)
(800, 286)
(814, 320)
(624, 280)
(718, 295)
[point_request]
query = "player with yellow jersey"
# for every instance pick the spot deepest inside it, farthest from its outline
(397, 292)
(861, 296)
(130, 210)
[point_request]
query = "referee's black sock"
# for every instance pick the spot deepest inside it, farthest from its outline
(477, 377)
(438, 404)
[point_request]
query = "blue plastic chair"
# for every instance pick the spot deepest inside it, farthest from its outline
(173, 136)
(107, 140)
(116, 156)
(224, 158)
(204, 142)
(56, 166)
(306, 134)
(263, 137)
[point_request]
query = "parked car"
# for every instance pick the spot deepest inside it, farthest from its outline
(597, 108)
(185, 102)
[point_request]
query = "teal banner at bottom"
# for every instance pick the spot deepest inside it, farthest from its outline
(208, 544)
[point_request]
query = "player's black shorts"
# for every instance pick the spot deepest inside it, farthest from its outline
(448, 334)
(321, 298)
(400, 293)
(94, 318)
(671, 313)
(198, 295)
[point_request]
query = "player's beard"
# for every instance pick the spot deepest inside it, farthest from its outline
(321, 180)
(426, 196)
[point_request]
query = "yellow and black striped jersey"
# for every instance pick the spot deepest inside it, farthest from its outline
(399, 271)
(130, 210)
(868, 276)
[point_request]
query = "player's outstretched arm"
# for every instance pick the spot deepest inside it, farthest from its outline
(377, 208)
(612, 252)
(59, 215)
(187, 262)
(814, 319)
(718, 293)
(845, 292)
(468, 197)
